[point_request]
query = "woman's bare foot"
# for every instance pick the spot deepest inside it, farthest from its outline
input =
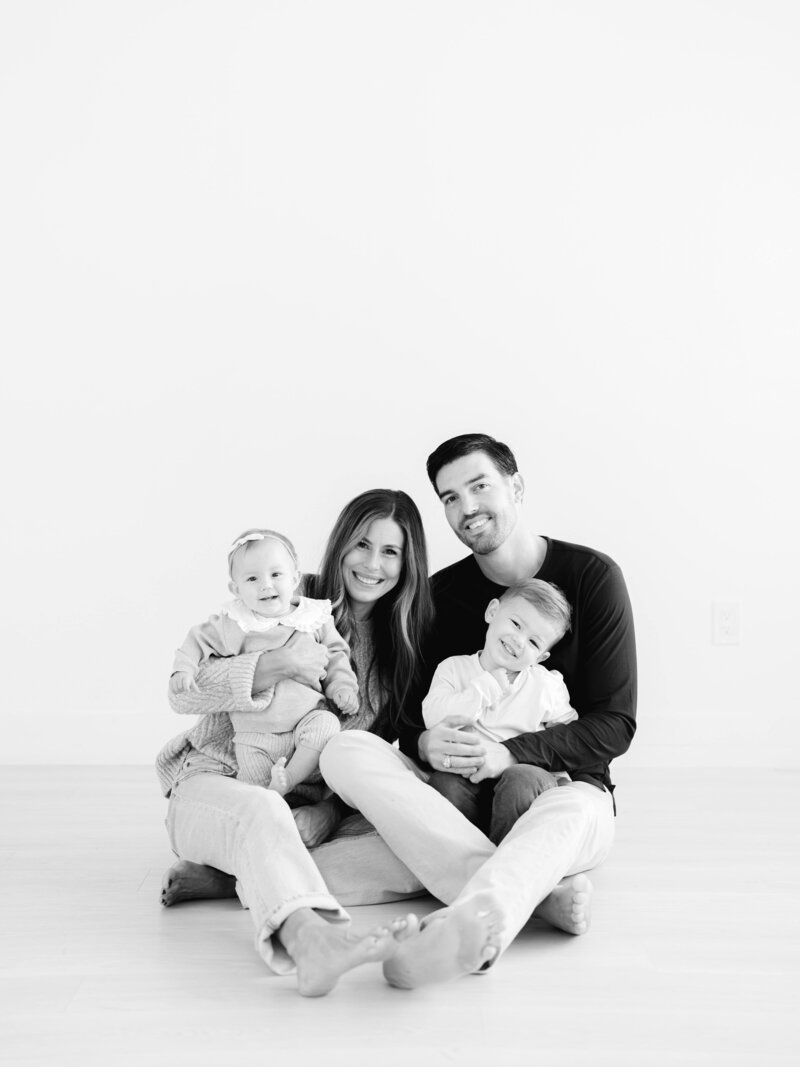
(324, 951)
(316, 822)
(192, 881)
(569, 906)
(450, 943)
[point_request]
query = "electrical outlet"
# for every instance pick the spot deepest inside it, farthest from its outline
(727, 622)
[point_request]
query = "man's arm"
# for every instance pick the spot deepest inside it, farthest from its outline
(606, 679)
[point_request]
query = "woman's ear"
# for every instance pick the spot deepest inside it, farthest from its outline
(491, 610)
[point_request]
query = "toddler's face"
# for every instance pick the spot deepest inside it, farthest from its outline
(264, 577)
(518, 635)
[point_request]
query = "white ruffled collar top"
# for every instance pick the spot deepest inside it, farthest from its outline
(307, 616)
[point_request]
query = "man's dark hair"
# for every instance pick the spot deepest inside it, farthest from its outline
(466, 443)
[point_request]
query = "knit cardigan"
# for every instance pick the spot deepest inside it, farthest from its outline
(226, 685)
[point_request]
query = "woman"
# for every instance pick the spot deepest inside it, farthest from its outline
(225, 831)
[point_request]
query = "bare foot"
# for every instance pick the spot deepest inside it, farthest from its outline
(450, 943)
(316, 822)
(324, 951)
(192, 881)
(279, 779)
(569, 906)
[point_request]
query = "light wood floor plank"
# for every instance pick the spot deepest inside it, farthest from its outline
(693, 956)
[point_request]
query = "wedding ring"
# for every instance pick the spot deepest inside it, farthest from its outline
(446, 761)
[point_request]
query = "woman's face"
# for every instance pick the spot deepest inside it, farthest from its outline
(373, 565)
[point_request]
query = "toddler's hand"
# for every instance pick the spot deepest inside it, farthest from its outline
(346, 700)
(182, 682)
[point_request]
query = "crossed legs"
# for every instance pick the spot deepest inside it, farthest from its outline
(493, 890)
(249, 831)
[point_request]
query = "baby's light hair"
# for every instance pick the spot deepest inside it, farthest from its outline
(249, 536)
(546, 598)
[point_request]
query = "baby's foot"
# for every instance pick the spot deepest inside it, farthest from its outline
(569, 905)
(450, 943)
(193, 881)
(323, 952)
(279, 779)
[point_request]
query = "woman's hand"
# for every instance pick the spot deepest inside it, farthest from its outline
(446, 747)
(301, 658)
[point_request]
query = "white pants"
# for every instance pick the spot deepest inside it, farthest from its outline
(249, 832)
(566, 830)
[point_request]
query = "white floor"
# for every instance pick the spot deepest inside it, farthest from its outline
(693, 956)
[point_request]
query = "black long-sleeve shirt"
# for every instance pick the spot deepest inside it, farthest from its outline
(597, 657)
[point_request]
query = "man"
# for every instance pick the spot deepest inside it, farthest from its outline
(565, 831)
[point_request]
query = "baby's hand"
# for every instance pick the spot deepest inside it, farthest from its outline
(346, 700)
(182, 682)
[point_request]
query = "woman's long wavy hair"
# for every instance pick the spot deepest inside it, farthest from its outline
(403, 617)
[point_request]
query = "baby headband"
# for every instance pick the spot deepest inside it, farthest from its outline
(261, 535)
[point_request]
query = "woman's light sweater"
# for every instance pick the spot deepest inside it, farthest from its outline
(226, 686)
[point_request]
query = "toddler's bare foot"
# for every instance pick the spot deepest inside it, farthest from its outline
(192, 881)
(450, 943)
(279, 779)
(324, 951)
(569, 906)
(316, 822)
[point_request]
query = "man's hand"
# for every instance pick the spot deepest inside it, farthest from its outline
(497, 760)
(181, 682)
(301, 658)
(452, 745)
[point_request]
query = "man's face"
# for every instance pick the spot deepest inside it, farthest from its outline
(481, 503)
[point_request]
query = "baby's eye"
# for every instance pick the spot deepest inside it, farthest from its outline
(251, 578)
(515, 624)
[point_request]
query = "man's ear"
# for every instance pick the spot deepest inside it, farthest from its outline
(519, 487)
(491, 610)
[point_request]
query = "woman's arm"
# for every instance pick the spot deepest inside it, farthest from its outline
(247, 682)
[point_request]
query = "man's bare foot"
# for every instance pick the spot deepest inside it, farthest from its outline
(324, 951)
(192, 881)
(569, 906)
(316, 822)
(279, 779)
(450, 943)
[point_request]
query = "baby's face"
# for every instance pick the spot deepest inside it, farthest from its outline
(518, 635)
(264, 577)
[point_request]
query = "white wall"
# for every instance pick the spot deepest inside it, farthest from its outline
(258, 257)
